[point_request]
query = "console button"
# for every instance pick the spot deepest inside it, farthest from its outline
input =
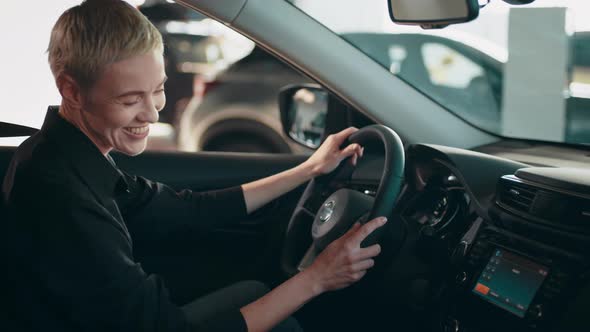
(451, 325)
(536, 311)
(482, 289)
(461, 277)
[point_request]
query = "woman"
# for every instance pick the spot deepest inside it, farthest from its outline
(80, 213)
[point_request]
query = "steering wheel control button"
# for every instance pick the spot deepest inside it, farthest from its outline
(327, 211)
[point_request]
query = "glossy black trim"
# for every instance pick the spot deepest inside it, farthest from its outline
(15, 130)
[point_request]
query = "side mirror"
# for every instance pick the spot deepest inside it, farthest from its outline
(432, 14)
(303, 110)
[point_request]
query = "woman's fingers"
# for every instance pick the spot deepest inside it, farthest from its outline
(368, 228)
(342, 135)
(357, 276)
(344, 262)
(369, 252)
(339, 138)
(353, 150)
(352, 230)
(329, 155)
(362, 265)
(353, 159)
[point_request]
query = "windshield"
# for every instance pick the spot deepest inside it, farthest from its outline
(515, 71)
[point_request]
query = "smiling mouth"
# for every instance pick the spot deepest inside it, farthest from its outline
(138, 131)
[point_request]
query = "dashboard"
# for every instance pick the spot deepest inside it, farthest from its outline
(494, 244)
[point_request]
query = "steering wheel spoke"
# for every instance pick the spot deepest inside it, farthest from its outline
(307, 259)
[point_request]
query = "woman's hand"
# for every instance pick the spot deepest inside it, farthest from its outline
(329, 155)
(344, 262)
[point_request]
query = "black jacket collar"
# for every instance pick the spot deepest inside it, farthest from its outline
(98, 172)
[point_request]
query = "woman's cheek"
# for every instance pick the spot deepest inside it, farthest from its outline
(161, 101)
(125, 116)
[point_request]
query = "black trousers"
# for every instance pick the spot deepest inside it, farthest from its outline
(233, 297)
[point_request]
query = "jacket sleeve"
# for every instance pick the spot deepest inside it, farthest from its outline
(160, 210)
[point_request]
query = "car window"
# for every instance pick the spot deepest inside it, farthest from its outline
(509, 66)
(449, 68)
(221, 91)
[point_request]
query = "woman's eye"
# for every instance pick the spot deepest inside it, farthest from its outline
(160, 90)
(130, 102)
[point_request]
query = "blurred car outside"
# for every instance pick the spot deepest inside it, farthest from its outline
(435, 61)
(196, 49)
(238, 110)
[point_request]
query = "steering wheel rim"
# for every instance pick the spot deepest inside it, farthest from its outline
(382, 205)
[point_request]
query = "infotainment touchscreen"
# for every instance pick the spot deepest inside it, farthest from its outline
(510, 281)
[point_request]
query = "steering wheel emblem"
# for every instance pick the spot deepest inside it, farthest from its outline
(326, 211)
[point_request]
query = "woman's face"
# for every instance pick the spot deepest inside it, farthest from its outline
(126, 99)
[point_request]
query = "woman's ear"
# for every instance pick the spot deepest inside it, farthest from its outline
(70, 90)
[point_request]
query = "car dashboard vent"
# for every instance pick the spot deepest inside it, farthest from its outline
(516, 195)
(565, 210)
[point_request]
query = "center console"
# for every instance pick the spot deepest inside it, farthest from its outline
(508, 282)
(528, 267)
(511, 281)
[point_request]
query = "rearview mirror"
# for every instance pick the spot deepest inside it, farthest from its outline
(303, 113)
(432, 14)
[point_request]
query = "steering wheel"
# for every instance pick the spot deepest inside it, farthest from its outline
(343, 207)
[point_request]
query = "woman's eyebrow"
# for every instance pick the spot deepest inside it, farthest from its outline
(130, 93)
(139, 92)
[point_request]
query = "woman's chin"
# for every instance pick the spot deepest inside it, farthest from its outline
(132, 150)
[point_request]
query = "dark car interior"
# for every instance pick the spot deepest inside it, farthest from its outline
(491, 239)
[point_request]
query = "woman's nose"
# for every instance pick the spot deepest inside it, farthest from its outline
(150, 114)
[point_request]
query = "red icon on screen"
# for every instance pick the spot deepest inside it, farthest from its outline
(483, 289)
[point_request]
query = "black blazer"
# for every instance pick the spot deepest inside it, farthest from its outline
(75, 216)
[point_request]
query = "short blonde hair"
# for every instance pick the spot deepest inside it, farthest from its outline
(88, 37)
